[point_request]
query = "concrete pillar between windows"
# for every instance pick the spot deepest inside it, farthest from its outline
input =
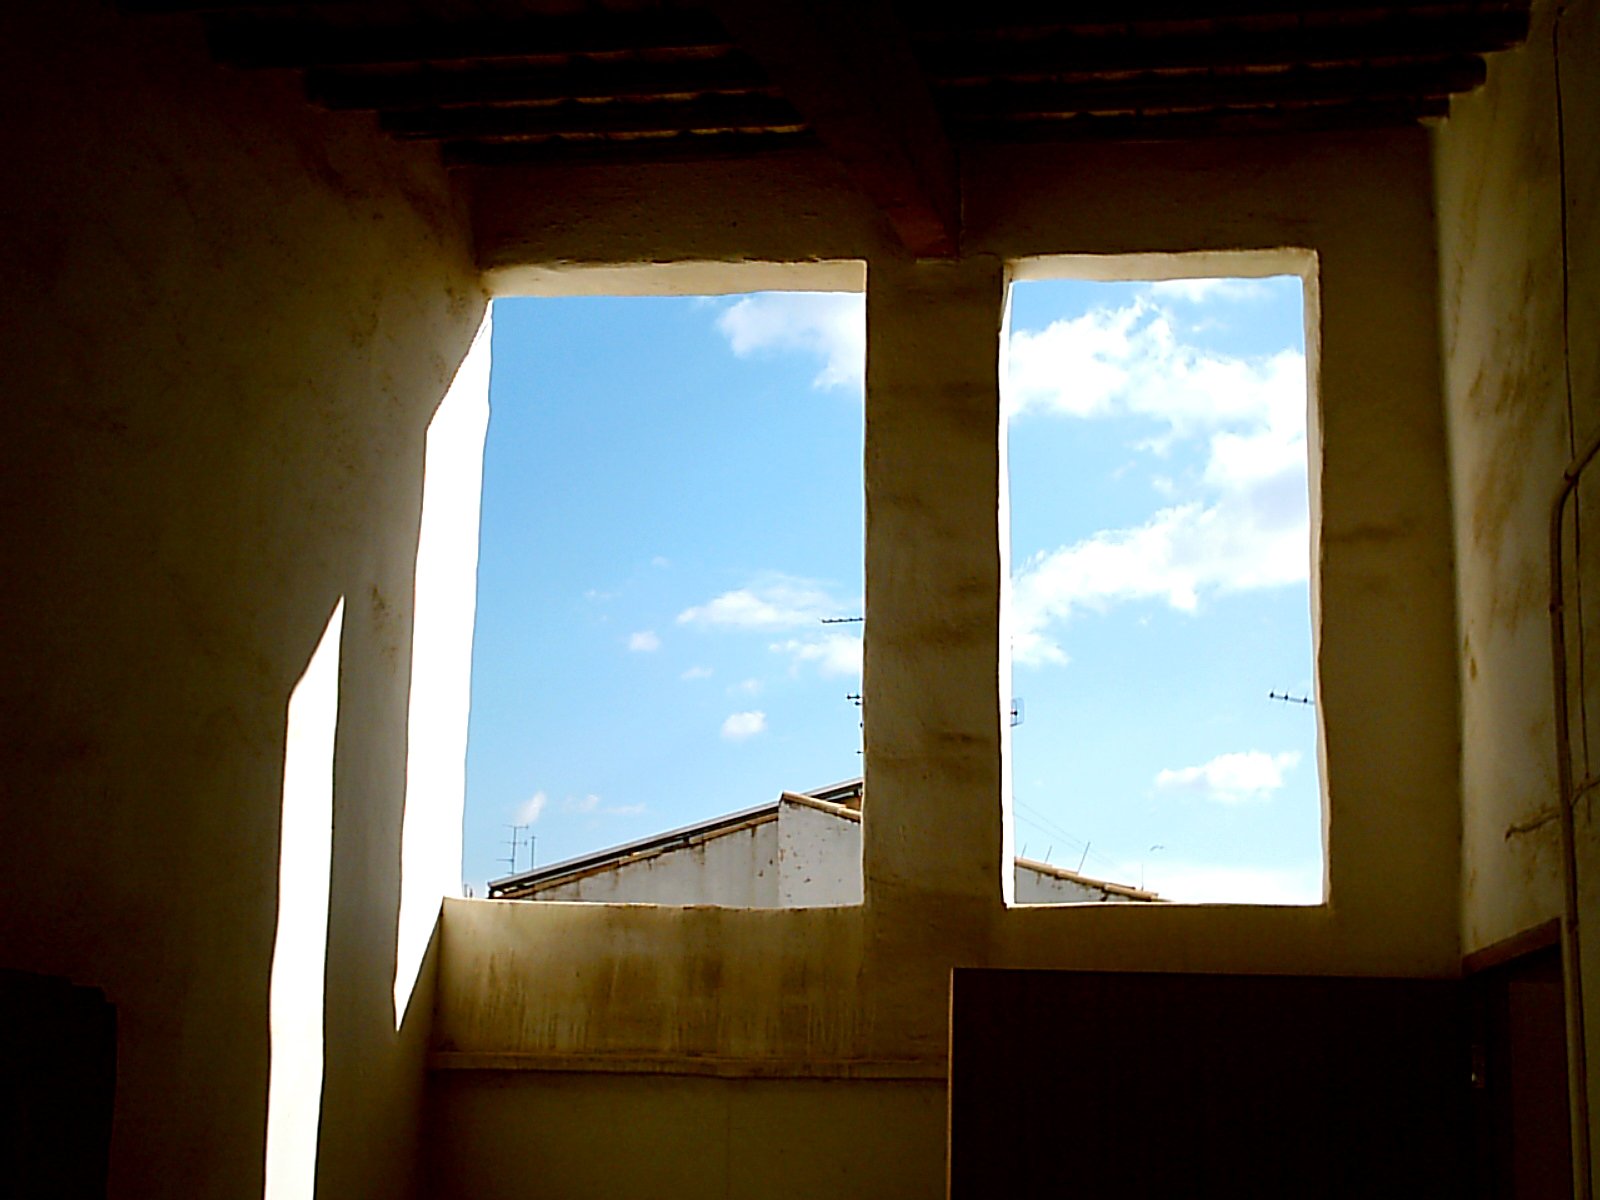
(936, 684)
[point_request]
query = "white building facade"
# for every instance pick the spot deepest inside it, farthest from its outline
(803, 850)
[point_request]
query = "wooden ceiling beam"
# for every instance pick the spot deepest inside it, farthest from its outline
(208, 7)
(1014, 16)
(1084, 127)
(709, 114)
(849, 69)
(1410, 37)
(433, 87)
(274, 42)
(1336, 85)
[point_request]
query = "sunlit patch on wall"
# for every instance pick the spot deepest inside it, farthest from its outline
(441, 663)
(299, 953)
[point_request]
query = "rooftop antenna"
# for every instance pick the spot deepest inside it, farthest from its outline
(515, 842)
(841, 620)
(1016, 711)
(1288, 699)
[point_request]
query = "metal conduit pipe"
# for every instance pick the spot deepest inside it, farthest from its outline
(1566, 803)
(1567, 795)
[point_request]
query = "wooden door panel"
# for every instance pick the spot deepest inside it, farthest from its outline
(1207, 1085)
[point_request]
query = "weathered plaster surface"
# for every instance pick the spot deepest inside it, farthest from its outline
(233, 321)
(636, 980)
(1512, 433)
(738, 868)
(819, 856)
(779, 989)
(1511, 437)
(230, 320)
(1361, 205)
(595, 1137)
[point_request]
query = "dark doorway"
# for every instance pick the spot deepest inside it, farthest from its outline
(1146, 1085)
(1519, 1070)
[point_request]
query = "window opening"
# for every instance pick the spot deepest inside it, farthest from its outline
(668, 642)
(1165, 734)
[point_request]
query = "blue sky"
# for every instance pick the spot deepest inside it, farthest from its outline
(672, 504)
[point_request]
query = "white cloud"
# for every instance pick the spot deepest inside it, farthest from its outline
(835, 654)
(1198, 291)
(741, 725)
(1231, 778)
(1244, 523)
(528, 811)
(1128, 361)
(697, 672)
(745, 687)
(774, 601)
(644, 642)
(1209, 883)
(1248, 538)
(590, 804)
(831, 325)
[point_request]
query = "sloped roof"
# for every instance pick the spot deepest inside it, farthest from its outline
(833, 799)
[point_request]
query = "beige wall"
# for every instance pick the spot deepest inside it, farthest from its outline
(231, 321)
(1512, 434)
(739, 868)
(864, 990)
(228, 322)
(600, 1136)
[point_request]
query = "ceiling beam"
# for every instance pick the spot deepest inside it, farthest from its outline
(849, 69)
(707, 114)
(1200, 92)
(1128, 127)
(977, 59)
(581, 79)
(290, 42)
(1020, 15)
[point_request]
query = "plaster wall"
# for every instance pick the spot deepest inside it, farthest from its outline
(1037, 887)
(819, 857)
(605, 1135)
(1512, 432)
(738, 869)
(230, 321)
(817, 863)
(853, 990)
(933, 719)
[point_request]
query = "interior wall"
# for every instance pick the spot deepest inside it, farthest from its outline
(230, 319)
(633, 990)
(599, 1136)
(1512, 432)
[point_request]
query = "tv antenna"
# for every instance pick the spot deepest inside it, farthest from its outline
(841, 620)
(516, 842)
(1288, 699)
